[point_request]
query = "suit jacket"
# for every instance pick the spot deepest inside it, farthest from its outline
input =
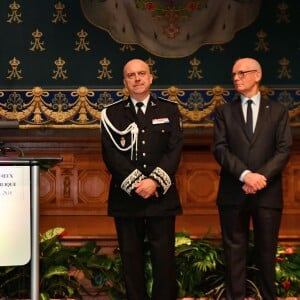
(158, 154)
(266, 153)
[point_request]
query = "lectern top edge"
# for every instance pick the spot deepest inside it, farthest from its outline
(43, 162)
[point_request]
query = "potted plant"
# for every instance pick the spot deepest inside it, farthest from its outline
(287, 272)
(194, 260)
(201, 272)
(57, 264)
(215, 281)
(105, 273)
(199, 266)
(55, 280)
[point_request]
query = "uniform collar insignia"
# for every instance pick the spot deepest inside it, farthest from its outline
(153, 103)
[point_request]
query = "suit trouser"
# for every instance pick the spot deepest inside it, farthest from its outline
(160, 233)
(235, 225)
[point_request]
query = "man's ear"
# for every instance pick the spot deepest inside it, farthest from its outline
(151, 80)
(258, 76)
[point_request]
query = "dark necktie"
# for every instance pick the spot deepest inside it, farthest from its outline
(139, 113)
(249, 121)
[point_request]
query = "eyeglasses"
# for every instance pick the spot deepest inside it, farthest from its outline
(241, 74)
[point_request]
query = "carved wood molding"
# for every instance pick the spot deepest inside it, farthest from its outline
(73, 194)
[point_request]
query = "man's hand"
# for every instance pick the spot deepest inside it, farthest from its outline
(254, 182)
(248, 189)
(147, 188)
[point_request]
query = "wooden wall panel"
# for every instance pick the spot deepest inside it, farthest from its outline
(81, 186)
(73, 194)
(198, 182)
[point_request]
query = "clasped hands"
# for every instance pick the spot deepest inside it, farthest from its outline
(147, 188)
(254, 182)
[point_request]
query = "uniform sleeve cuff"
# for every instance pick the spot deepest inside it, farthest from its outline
(163, 179)
(131, 180)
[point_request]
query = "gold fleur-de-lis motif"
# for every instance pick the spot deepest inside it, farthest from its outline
(151, 63)
(14, 72)
(218, 47)
(127, 47)
(15, 15)
(283, 15)
(104, 72)
(37, 44)
(82, 44)
(261, 45)
(59, 16)
(59, 72)
(284, 70)
(195, 72)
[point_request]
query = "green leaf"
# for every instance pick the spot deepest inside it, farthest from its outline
(56, 271)
(51, 233)
(44, 296)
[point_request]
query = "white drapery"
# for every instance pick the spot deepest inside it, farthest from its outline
(171, 37)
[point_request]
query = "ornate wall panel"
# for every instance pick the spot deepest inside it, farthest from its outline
(198, 182)
(81, 107)
(58, 72)
(78, 186)
(73, 194)
(292, 183)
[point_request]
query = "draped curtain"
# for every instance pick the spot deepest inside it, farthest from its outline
(171, 29)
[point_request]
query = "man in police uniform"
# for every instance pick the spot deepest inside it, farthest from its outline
(142, 156)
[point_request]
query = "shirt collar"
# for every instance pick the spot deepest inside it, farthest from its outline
(255, 99)
(145, 101)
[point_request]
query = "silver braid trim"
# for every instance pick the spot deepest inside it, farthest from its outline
(162, 178)
(132, 128)
(131, 180)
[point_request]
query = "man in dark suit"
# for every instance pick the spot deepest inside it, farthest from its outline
(142, 155)
(250, 181)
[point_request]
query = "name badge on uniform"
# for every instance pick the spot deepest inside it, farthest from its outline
(161, 121)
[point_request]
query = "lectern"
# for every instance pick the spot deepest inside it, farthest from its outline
(19, 212)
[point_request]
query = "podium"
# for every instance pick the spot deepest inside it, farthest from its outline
(19, 209)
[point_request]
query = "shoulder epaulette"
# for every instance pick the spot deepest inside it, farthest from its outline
(116, 102)
(164, 99)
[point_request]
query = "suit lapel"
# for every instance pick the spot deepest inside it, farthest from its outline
(263, 113)
(262, 116)
(238, 115)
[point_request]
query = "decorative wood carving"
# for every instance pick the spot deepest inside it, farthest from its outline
(73, 194)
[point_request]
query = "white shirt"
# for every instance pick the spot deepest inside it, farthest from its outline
(255, 109)
(143, 108)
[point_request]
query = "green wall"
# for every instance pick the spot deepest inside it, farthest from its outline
(37, 68)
